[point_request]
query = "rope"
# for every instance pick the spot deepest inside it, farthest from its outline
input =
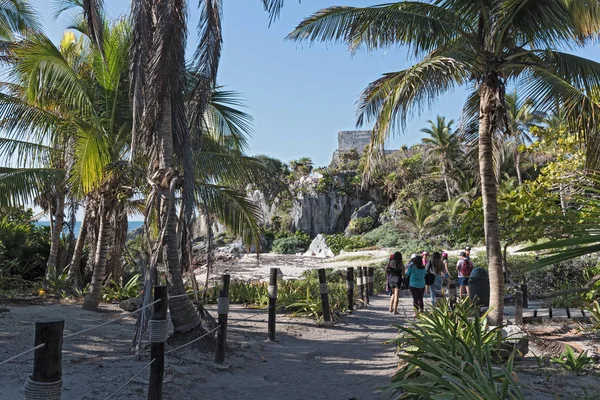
(39, 346)
(43, 390)
(111, 321)
(159, 330)
(272, 290)
(195, 340)
(110, 396)
(190, 293)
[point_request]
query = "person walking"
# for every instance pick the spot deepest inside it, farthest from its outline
(435, 266)
(416, 275)
(464, 266)
(468, 252)
(445, 261)
(395, 271)
(425, 256)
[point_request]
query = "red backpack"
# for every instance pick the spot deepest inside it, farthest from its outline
(467, 267)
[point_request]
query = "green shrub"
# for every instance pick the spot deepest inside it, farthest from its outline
(339, 242)
(569, 361)
(118, 292)
(452, 353)
(299, 241)
(359, 226)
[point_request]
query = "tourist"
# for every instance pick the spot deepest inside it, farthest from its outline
(425, 256)
(395, 270)
(464, 266)
(468, 252)
(416, 275)
(445, 261)
(436, 267)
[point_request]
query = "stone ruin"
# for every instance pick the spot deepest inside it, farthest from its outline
(353, 140)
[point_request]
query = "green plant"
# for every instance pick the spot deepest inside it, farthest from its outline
(57, 281)
(299, 241)
(569, 361)
(452, 353)
(359, 226)
(339, 242)
(117, 292)
(594, 311)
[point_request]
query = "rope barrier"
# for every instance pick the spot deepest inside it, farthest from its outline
(110, 396)
(192, 341)
(110, 322)
(196, 292)
(43, 390)
(39, 346)
(159, 331)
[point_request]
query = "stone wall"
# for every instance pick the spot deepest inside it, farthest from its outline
(357, 140)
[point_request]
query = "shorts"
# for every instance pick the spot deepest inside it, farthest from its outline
(395, 283)
(463, 281)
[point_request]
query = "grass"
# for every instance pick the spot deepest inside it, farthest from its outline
(355, 257)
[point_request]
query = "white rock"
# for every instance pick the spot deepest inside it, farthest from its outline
(318, 248)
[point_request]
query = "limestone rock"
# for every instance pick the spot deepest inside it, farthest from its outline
(129, 304)
(517, 338)
(318, 248)
(369, 210)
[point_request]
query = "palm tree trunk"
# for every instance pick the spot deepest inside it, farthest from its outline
(446, 183)
(92, 299)
(518, 165)
(490, 92)
(183, 312)
(56, 231)
(74, 267)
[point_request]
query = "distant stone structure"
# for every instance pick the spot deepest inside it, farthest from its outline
(353, 140)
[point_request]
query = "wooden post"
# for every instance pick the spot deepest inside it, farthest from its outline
(366, 285)
(47, 361)
(359, 279)
(525, 300)
(350, 288)
(272, 303)
(518, 307)
(324, 297)
(371, 280)
(158, 337)
(223, 310)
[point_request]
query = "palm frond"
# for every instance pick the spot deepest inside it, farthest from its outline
(17, 16)
(19, 186)
(23, 153)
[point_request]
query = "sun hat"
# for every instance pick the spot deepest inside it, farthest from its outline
(425, 252)
(467, 248)
(412, 256)
(444, 254)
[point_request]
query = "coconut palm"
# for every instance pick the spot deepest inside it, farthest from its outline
(487, 45)
(420, 217)
(443, 146)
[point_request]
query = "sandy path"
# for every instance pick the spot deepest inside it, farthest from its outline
(348, 361)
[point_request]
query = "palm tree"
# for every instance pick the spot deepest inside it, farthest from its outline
(420, 217)
(487, 45)
(443, 146)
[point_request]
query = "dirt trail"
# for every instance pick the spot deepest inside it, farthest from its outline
(348, 361)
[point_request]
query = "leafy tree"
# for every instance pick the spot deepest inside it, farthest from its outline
(443, 147)
(487, 45)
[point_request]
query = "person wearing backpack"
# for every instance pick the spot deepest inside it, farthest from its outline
(394, 271)
(416, 274)
(435, 275)
(464, 266)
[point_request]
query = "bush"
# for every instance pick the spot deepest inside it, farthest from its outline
(339, 242)
(299, 241)
(359, 226)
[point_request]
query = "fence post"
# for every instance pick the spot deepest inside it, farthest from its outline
(324, 297)
(223, 310)
(46, 380)
(272, 303)
(371, 281)
(366, 285)
(518, 307)
(350, 288)
(158, 336)
(525, 299)
(359, 281)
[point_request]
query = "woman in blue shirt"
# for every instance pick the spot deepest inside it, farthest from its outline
(416, 281)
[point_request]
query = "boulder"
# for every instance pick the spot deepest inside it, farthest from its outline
(129, 304)
(369, 210)
(318, 248)
(516, 338)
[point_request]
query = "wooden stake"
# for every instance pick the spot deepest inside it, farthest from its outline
(361, 287)
(350, 288)
(518, 307)
(223, 310)
(525, 299)
(272, 303)
(157, 347)
(47, 360)
(371, 277)
(324, 297)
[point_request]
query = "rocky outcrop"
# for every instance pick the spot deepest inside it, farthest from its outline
(369, 210)
(319, 248)
(266, 209)
(316, 211)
